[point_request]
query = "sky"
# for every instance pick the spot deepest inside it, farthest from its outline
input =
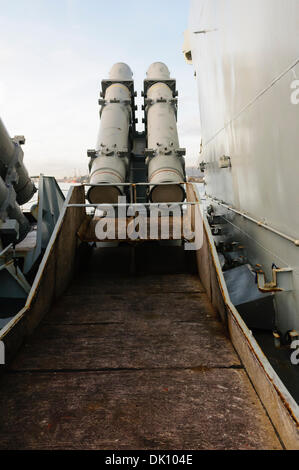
(53, 56)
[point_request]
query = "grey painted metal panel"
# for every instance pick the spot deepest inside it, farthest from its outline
(244, 114)
(246, 60)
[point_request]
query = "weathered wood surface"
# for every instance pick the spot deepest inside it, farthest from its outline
(105, 308)
(128, 345)
(27, 244)
(54, 274)
(160, 409)
(128, 285)
(145, 367)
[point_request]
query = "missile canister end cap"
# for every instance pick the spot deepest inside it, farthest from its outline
(167, 193)
(103, 194)
(120, 71)
(158, 70)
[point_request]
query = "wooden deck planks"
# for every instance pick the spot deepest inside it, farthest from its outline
(190, 409)
(144, 366)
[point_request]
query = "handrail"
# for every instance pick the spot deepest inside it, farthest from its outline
(137, 184)
(127, 204)
(257, 222)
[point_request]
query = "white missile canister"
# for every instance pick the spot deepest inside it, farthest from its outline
(164, 156)
(111, 160)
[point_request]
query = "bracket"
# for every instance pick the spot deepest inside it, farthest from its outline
(281, 280)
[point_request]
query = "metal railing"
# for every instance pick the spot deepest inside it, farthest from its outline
(256, 221)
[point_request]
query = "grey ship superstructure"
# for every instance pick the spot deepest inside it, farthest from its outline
(245, 57)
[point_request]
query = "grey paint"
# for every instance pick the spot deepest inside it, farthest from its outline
(9, 209)
(15, 186)
(112, 151)
(246, 59)
(165, 163)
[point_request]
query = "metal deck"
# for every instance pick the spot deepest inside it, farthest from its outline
(128, 361)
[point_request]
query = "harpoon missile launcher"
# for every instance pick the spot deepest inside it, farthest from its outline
(122, 154)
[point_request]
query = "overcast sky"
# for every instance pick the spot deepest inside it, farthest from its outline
(53, 56)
